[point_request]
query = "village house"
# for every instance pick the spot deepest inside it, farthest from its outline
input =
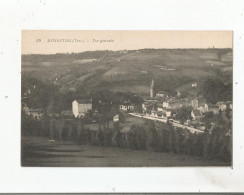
(161, 114)
(25, 108)
(127, 107)
(188, 121)
(201, 127)
(153, 112)
(222, 106)
(161, 94)
(27, 93)
(194, 103)
(165, 104)
(168, 113)
(199, 104)
(203, 107)
(35, 113)
(116, 118)
(178, 94)
(194, 85)
(160, 107)
(174, 105)
(229, 104)
(196, 114)
(148, 104)
(228, 133)
(186, 102)
(147, 112)
(213, 108)
(81, 107)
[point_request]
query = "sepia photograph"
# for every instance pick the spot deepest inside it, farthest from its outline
(126, 98)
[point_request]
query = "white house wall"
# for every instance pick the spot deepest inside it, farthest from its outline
(75, 108)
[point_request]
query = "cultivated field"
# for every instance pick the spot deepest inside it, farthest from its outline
(131, 71)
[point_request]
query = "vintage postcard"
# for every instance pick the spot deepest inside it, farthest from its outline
(126, 98)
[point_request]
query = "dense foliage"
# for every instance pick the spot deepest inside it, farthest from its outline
(215, 90)
(157, 137)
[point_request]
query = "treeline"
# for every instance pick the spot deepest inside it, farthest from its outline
(166, 139)
(109, 53)
(69, 57)
(156, 137)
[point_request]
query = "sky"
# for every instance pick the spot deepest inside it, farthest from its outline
(52, 41)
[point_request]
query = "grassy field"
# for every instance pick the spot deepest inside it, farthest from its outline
(130, 71)
(38, 152)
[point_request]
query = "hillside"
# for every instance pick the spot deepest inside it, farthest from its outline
(129, 70)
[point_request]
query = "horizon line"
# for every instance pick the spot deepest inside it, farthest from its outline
(205, 48)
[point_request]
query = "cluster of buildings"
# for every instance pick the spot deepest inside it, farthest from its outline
(159, 105)
(163, 106)
(79, 109)
(34, 113)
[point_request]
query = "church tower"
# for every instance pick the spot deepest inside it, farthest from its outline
(152, 89)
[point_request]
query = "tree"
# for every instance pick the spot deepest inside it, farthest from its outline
(152, 139)
(189, 143)
(215, 90)
(131, 138)
(141, 138)
(225, 152)
(197, 145)
(171, 142)
(181, 140)
(176, 146)
(45, 124)
(107, 138)
(164, 143)
(206, 145)
(212, 147)
(85, 136)
(117, 138)
(93, 138)
(100, 138)
(183, 114)
(228, 113)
